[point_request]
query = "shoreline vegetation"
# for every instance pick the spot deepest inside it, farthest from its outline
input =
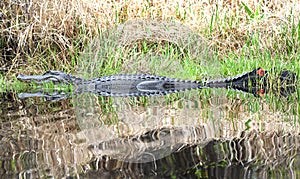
(187, 39)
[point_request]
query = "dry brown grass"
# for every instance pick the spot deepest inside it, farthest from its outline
(127, 44)
(41, 34)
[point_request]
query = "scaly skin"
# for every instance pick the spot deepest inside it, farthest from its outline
(255, 82)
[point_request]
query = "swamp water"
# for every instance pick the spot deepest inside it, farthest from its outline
(205, 134)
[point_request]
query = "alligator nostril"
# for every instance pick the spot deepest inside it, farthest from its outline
(20, 76)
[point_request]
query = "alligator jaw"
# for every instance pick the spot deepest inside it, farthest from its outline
(50, 76)
(38, 79)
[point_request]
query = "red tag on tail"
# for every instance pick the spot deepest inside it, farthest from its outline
(260, 72)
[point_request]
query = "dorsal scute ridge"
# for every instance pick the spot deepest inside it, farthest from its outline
(130, 77)
(142, 77)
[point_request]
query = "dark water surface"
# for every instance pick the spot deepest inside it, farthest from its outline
(208, 135)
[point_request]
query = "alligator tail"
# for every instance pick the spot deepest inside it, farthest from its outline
(243, 82)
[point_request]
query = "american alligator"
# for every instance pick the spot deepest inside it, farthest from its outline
(129, 85)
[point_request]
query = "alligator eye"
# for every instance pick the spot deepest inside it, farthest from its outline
(260, 72)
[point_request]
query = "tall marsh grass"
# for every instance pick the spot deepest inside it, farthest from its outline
(39, 35)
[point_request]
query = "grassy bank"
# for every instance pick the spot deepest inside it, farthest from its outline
(191, 40)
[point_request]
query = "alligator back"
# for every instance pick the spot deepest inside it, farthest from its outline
(141, 85)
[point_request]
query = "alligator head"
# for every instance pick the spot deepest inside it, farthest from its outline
(50, 76)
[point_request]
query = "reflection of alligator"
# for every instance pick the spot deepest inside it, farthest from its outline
(256, 82)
